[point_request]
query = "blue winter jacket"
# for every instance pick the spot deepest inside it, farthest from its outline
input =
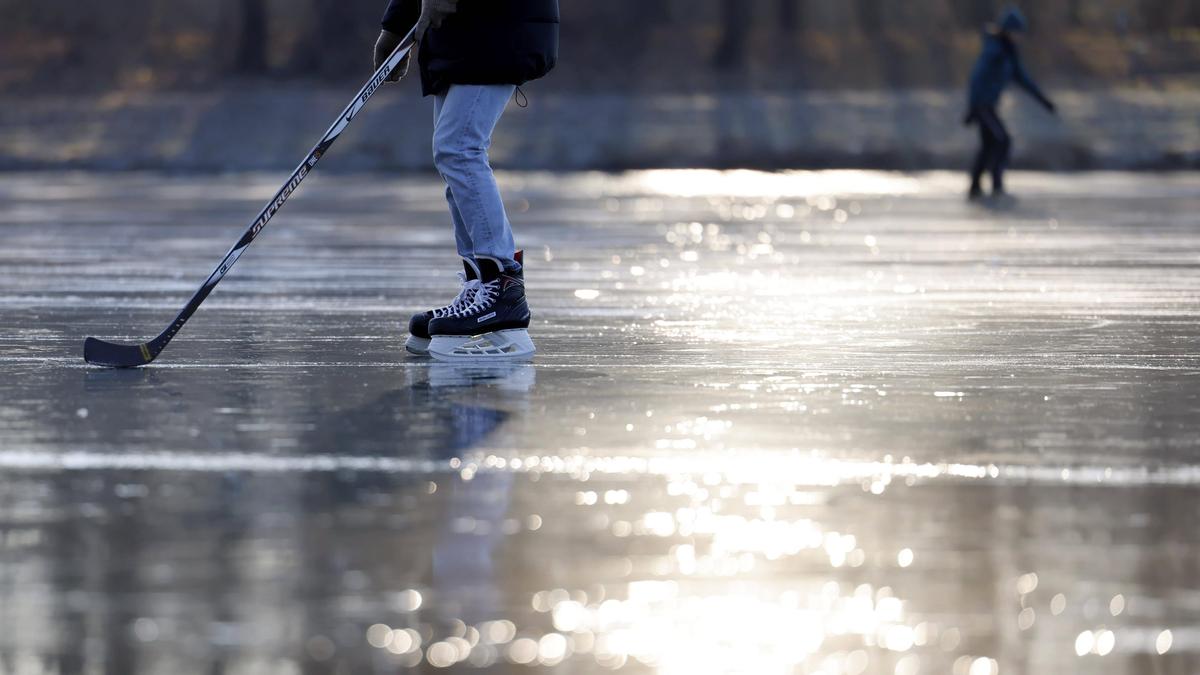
(999, 64)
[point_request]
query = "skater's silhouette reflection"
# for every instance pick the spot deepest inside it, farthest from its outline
(445, 410)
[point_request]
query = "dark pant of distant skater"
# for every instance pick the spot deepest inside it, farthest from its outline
(999, 63)
(995, 147)
(473, 54)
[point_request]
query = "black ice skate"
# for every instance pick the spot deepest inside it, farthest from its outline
(494, 327)
(418, 325)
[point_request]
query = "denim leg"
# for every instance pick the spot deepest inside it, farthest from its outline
(466, 116)
(462, 237)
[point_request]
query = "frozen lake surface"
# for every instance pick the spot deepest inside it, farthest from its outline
(836, 422)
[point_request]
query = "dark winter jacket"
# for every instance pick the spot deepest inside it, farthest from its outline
(484, 42)
(998, 65)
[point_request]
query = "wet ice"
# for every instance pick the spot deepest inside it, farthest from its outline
(799, 422)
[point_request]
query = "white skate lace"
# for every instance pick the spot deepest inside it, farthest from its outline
(466, 297)
(485, 297)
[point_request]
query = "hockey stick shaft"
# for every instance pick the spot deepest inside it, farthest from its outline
(285, 192)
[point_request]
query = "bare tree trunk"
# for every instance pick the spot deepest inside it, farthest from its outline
(973, 13)
(735, 28)
(1157, 14)
(1075, 13)
(789, 16)
(659, 13)
(869, 19)
(252, 41)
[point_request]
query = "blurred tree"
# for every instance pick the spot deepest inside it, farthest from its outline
(1157, 14)
(1165, 15)
(788, 14)
(1075, 13)
(735, 27)
(870, 20)
(251, 58)
(658, 13)
(335, 23)
(667, 44)
(973, 13)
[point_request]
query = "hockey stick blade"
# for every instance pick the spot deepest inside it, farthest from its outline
(101, 353)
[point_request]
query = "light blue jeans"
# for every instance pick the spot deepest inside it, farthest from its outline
(463, 120)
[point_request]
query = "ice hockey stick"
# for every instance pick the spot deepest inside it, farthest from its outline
(101, 353)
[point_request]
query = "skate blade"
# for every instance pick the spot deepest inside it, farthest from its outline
(504, 345)
(417, 346)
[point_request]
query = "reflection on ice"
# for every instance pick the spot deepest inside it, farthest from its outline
(835, 423)
(735, 467)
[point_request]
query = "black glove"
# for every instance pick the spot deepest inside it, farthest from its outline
(384, 46)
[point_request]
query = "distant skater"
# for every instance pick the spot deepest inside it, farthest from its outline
(998, 64)
(472, 55)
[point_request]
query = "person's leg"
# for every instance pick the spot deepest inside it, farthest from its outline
(462, 236)
(468, 116)
(989, 138)
(981, 160)
(1003, 152)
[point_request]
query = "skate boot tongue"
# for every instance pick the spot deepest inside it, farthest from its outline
(490, 270)
(470, 269)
